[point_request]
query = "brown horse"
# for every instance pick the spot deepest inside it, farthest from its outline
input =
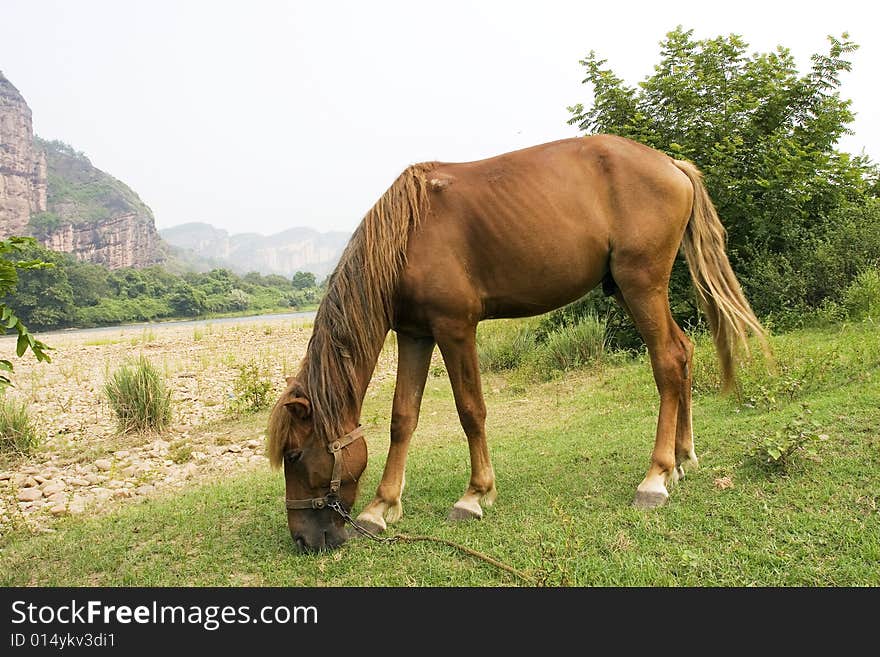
(449, 245)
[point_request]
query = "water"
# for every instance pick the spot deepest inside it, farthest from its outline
(304, 316)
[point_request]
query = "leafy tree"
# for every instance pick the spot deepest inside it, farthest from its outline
(187, 300)
(765, 137)
(303, 280)
(43, 295)
(8, 280)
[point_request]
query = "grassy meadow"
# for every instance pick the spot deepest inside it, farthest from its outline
(568, 454)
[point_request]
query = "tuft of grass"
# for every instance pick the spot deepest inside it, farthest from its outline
(180, 451)
(139, 397)
(572, 346)
(505, 344)
(18, 435)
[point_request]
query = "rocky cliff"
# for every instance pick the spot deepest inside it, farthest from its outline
(296, 249)
(22, 164)
(51, 191)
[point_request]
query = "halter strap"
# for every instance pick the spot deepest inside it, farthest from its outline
(335, 448)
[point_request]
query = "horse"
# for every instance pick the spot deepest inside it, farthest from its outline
(519, 234)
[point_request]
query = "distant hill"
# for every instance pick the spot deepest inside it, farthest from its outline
(295, 249)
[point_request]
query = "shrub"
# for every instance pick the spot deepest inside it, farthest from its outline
(17, 431)
(505, 344)
(777, 451)
(252, 389)
(862, 297)
(572, 346)
(139, 397)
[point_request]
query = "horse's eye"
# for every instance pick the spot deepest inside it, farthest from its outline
(293, 456)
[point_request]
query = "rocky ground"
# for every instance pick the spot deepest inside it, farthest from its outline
(84, 465)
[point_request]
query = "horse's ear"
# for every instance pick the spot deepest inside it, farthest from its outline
(290, 380)
(299, 407)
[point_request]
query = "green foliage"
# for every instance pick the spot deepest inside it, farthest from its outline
(778, 450)
(9, 279)
(41, 224)
(180, 451)
(17, 431)
(505, 344)
(252, 389)
(862, 297)
(528, 344)
(764, 136)
(303, 280)
(571, 346)
(72, 293)
(139, 397)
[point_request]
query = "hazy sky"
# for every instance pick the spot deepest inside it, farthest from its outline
(261, 116)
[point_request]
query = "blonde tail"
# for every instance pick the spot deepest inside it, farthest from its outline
(721, 298)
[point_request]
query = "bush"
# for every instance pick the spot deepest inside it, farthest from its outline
(139, 397)
(572, 346)
(252, 389)
(17, 431)
(862, 297)
(505, 344)
(777, 451)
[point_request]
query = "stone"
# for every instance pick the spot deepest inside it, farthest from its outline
(5, 475)
(29, 494)
(93, 478)
(233, 448)
(53, 487)
(121, 492)
(76, 481)
(76, 507)
(146, 489)
(58, 510)
(122, 454)
(58, 497)
(104, 464)
(19, 479)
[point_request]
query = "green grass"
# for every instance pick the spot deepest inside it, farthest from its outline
(18, 433)
(568, 455)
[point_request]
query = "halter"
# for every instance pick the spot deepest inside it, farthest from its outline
(331, 499)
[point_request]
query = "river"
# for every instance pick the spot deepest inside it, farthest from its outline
(304, 316)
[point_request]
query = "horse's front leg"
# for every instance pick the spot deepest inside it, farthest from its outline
(459, 349)
(413, 359)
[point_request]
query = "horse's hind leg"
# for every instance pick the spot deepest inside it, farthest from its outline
(413, 359)
(684, 426)
(646, 299)
(458, 345)
(685, 456)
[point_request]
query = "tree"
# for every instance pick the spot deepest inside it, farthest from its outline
(186, 300)
(764, 136)
(8, 281)
(43, 294)
(303, 280)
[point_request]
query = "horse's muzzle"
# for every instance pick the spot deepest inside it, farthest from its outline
(320, 540)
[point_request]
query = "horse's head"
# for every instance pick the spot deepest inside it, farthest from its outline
(318, 469)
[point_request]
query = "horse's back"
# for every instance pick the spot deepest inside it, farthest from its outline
(530, 230)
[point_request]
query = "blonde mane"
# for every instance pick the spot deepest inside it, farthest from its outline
(356, 312)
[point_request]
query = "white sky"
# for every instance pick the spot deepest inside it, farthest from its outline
(261, 116)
